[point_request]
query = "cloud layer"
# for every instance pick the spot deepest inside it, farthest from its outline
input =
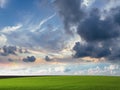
(99, 28)
(64, 69)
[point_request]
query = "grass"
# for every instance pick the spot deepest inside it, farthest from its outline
(61, 83)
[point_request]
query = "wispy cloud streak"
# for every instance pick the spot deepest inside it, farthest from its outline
(43, 22)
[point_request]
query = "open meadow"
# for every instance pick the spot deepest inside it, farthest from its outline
(61, 83)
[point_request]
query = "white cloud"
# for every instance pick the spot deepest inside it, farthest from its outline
(42, 69)
(63, 69)
(10, 29)
(112, 4)
(3, 3)
(101, 4)
(3, 39)
(111, 69)
(60, 69)
(88, 3)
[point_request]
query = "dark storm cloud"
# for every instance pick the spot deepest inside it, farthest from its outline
(92, 50)
(9, 50)
(47, 58)
(101, 36)
(29, 59)
(95, 29)
(70, 12)
(116, 12)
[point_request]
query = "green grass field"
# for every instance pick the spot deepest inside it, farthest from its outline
(61, 83)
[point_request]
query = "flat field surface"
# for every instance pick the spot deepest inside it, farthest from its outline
(61, 83)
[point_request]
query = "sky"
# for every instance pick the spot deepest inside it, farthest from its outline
(60, 37)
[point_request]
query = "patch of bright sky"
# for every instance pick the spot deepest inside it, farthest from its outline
(16, 11)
